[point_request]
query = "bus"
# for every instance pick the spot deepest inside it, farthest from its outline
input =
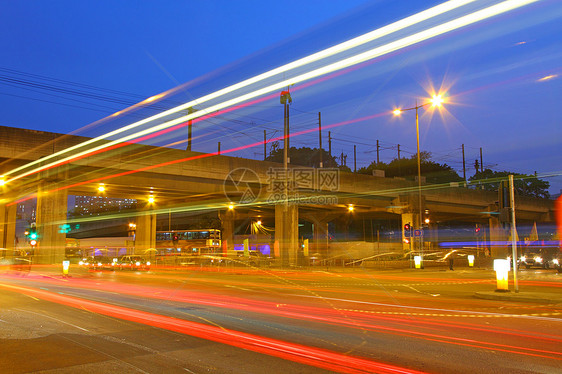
(188, 242)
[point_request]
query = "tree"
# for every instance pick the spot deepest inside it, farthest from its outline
(523, 184)
(433, 172)
(303, 156)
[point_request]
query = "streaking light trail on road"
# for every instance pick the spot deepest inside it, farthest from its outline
(289, 351)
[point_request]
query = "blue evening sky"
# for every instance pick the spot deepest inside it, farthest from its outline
(66, 64)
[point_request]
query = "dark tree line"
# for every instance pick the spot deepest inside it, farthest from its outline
(434, 172)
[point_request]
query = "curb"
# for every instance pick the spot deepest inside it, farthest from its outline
(522, 297)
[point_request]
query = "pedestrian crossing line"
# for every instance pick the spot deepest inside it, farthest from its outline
(325, 285)
(453, 315)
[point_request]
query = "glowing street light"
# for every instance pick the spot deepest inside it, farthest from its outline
(435, 101)
(350, 207)
(101, 187)
(151, 199)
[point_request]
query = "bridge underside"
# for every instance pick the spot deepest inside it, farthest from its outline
(191, 183)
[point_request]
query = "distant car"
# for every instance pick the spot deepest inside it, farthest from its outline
(545, 258)
(557, 261)
(14, 259)
(132, 262)
(254, 258)
(101, 263)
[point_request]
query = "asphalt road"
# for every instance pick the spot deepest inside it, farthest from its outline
(210, 320)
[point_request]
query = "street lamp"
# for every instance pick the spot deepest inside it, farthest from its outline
(435, 101)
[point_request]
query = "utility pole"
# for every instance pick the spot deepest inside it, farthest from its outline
(481, 164)
(320, 138)
(190, 110)
(264, 145)
(354, 158)
(219, 150)
(398, 151)
(343, 159)
(377, 151)
(463, 165)
(286, 242)
(330, 143)
(513, 233)
(286, 100)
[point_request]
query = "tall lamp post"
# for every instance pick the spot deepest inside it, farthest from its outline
(435, 101)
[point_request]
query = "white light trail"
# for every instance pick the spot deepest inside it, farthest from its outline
(418, 37)
(352, 43)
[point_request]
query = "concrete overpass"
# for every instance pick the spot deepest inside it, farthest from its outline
(191, 181)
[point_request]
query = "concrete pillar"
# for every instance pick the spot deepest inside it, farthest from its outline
(287, 232)
(432, 236)
(51, 215)
(320, 238)
(3, 227)
(7, 226)
(145, 235)
(498, 239)
(227, 235)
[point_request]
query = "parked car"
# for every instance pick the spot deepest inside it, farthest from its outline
(254, 258)
(101, 263)
(132, 262)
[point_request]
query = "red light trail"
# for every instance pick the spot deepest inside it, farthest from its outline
(317, 357)
(361, 320)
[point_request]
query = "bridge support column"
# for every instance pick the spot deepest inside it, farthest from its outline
(432, 236)
(498, 237)
(145, 236)
(320, 237)
(227, 235)
(287, 232)
(51, 215)
(8, 226)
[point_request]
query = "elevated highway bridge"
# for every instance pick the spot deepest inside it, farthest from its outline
(182, 181)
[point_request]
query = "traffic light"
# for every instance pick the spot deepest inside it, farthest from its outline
(305, 247)
(477, 230)
(503, 195)
(33, 233)
(407, 230)
(33, 243)
(175, 239)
